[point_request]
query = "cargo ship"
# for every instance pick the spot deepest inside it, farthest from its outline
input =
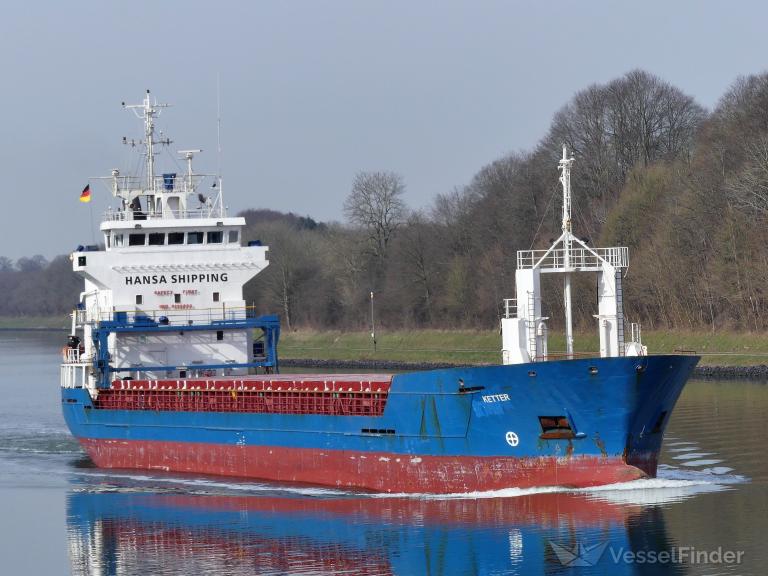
(168, 369)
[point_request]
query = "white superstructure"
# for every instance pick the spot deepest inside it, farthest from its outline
(173, 264)
(524, 329)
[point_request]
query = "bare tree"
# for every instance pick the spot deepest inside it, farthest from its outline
(376, 204)
(419, 261)
(638, 118)
(748, 190)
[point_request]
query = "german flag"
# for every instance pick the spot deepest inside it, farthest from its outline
(85, 195)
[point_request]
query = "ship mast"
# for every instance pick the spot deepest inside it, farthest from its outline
(565, 179)
(524, 334)
(148, 111)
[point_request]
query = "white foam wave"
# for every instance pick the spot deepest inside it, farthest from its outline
(671, 485)
(708, 475)
(204, 485)
(501, 493)
(691, 455)
(704, 462)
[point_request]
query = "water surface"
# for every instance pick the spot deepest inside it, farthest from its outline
(62, 516)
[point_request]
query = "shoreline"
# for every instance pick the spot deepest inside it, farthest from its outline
(341, 349)
(754, 373)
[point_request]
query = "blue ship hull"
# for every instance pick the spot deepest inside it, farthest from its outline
(451, 430)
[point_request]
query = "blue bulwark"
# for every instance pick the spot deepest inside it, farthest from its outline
(120, 324)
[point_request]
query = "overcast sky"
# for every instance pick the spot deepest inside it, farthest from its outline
(313, 92)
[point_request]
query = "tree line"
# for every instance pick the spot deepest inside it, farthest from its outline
(684, 188)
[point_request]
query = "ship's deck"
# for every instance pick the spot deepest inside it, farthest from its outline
(327, 394)
(264, 382)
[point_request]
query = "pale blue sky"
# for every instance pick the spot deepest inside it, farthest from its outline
(313, 92)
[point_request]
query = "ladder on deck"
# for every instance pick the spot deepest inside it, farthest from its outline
(531, 326)
(620, 313)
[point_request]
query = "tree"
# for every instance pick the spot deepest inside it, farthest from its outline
(376, 205)
(748, 190)
(635, 119)
(418, 252)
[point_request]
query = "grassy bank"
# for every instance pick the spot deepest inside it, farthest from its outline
(471, 346)
(474, 346)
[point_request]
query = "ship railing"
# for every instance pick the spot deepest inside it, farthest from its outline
(75, 375)
(72, 355)
(580, 258)
(81, 316)
(128, 188)
(169, 183)
(178, 183)
(174, 317)
(510, 307)
(168, 214)
(88, 316)
(565, 356)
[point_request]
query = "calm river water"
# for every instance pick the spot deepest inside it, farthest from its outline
(707, 513)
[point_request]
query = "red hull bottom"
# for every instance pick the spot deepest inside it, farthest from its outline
(380, 472)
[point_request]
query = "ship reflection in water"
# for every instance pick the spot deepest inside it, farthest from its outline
(128, 531)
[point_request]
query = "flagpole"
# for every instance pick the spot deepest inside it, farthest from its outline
(93, 232)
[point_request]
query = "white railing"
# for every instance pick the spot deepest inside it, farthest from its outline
(175, 317)
(510, 307)
(127, 214)
(74, 375)
(124, 186)
(72, 356)
(131, 187)
(580, 258)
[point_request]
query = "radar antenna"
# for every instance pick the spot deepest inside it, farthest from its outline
(188, 156)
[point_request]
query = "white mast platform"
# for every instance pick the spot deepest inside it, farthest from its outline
(524, 329)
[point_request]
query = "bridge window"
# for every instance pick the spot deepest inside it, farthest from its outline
(157, 239)
(216, 237)
(234, 236)
(194, 237)
(175, 237)
(136, 239)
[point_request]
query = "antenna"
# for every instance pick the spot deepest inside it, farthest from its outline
(565, 179)
(188, 156)
(148, 111)
(218, 141)
(218, 125)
